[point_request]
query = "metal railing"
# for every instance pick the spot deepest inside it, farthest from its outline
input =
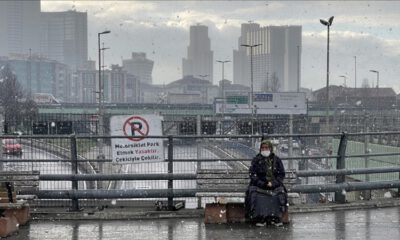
(71, 170)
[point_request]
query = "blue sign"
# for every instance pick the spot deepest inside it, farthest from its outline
(263, 97)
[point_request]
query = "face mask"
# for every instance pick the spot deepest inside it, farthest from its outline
(266, 153)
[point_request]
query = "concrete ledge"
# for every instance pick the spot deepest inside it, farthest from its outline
(8, 226)
(21, 214)
(151, 213)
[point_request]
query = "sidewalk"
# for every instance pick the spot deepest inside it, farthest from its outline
(376, 223)
(125, 213)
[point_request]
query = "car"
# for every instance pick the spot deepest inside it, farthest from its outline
(11, 146)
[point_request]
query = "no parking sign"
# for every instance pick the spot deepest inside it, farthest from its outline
(136, 147)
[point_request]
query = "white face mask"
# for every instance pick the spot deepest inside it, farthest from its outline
(266, 153)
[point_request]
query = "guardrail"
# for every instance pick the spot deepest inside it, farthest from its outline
(342, 181)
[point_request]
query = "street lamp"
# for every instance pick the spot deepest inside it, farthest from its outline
(355, 71)
(205, 97)
(101, 120)
(328, 25)
(223, 92)
(203, 76)
(103, 49)
(223, 77)
(344, 78)
(252, 87)
(101, 117)
(377, 77)
(377, 88)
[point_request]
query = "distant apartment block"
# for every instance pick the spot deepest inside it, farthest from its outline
(276, 62)
(36, 74)
(64, 37)
(19, 27)
(119, 86)
(199, 60)
(139, 66)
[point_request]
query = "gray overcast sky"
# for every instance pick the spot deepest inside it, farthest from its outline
(369, 30)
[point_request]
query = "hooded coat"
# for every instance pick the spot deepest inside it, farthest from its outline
(258, 171)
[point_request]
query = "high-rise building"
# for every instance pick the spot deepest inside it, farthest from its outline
(139, 66)
(64, 37)
(199, 60)
(276, 62)
(285, 42)
(241, 62)
(19, 27)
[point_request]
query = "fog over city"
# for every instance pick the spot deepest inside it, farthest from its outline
(366, 29)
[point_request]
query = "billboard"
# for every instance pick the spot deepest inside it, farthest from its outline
(264, 103)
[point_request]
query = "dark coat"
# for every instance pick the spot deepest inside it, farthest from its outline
(258, 173)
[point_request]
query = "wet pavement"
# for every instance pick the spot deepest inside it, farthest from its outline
(376, 223)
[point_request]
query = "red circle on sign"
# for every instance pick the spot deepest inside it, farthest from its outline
(131, 126)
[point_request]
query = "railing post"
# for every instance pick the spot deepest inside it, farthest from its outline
(170, 170)
(340, 197)
(74, 165)
(367, 193)
(198, 153)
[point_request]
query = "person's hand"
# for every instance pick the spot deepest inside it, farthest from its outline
(269, 184)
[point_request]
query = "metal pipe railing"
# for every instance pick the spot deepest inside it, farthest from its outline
(333, 172)
(171, 193)
(117, 177)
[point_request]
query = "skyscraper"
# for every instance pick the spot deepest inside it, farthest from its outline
(276, 62)
(19, 27)
(64, 37)
(199, 60)
(285, 55)
(139, 66)
(241, 60)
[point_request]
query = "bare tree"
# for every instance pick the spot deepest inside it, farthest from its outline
(16, 108)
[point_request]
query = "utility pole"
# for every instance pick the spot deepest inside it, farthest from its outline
(251, 104)
(101, 111)
(367, 193)
(328, 25)
(355, 71)
(223, 95)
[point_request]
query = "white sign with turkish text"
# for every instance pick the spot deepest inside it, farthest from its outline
(136, 147)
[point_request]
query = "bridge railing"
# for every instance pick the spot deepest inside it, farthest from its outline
(76, 170)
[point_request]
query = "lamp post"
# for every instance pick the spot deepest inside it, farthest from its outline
(205, 97)
(223, 93)
(103, 49)
(377, 77)
(355, 71)
(101, 114)
(252, 87)
(101, 120)
(344, 80)
(298, 69)
(377, 90)
(203, 76)
(328, 25)
(223, 76)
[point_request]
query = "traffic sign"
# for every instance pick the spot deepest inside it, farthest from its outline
(136, 147)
